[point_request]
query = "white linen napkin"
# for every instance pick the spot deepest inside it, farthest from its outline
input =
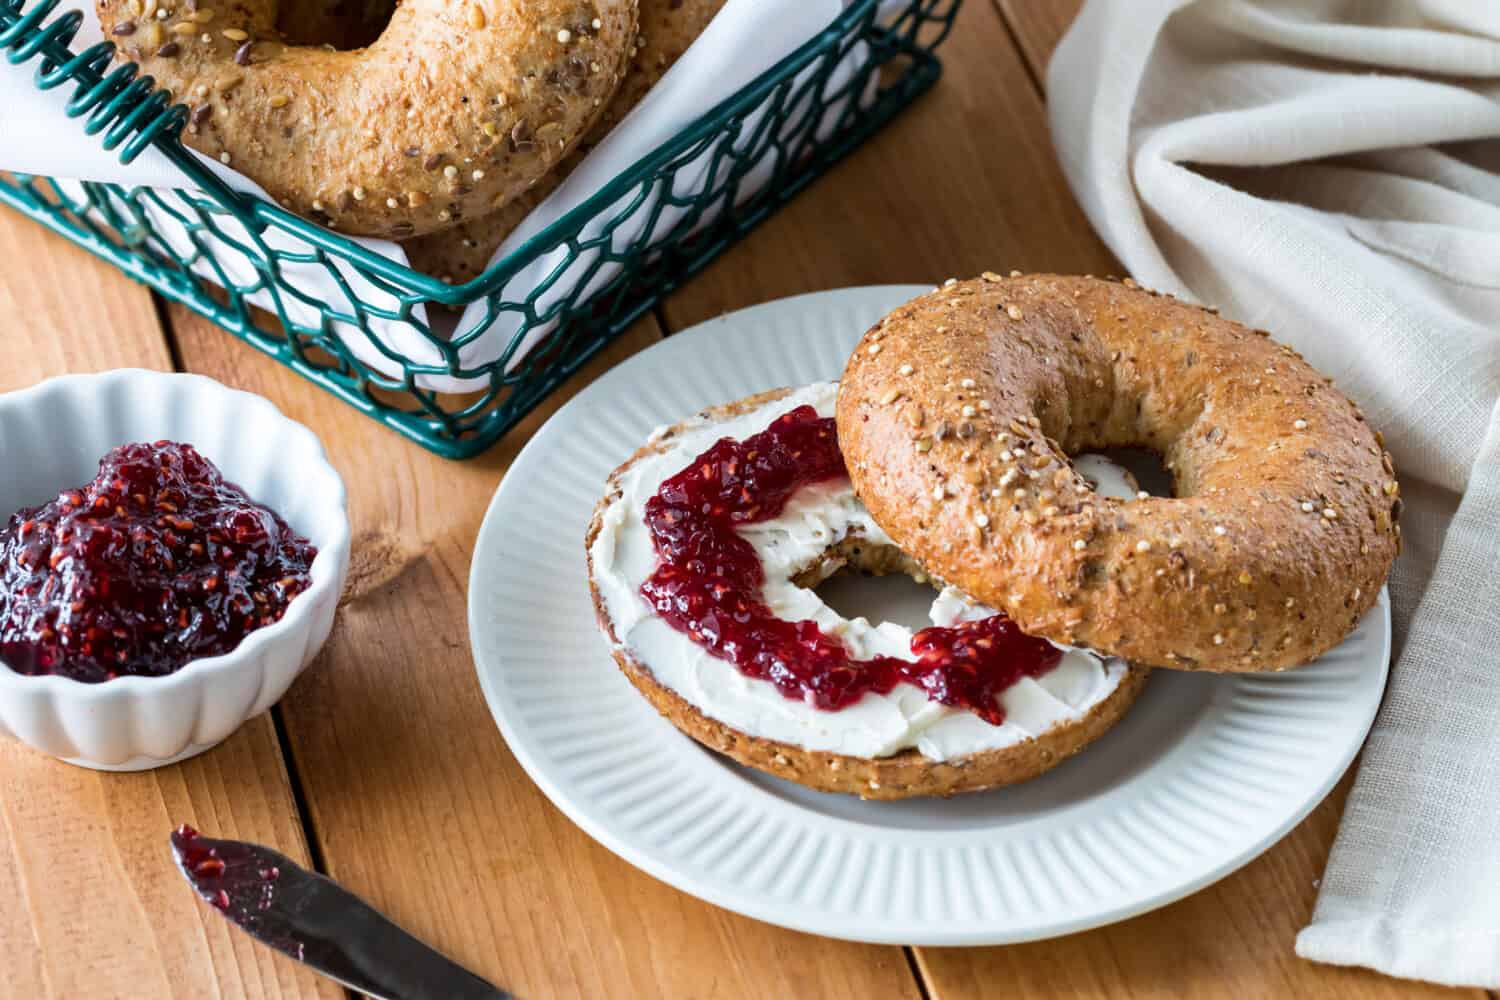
(1310, 166)
(744, 40)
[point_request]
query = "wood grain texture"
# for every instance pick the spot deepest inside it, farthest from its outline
(1038, 26)
(416, 801)
(63, 311)
(1233, 939)
(93, 906)
(962, 182)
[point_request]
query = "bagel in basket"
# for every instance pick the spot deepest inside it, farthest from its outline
(958, 412)
(453, 111)
(668, 28)
(707, 603)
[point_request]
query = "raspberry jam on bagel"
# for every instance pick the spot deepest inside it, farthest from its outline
(702, 559)
(958, 412)
(708, 582)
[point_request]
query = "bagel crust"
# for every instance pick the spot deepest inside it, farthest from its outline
(456, 109)
(905, 774)
(668, 28)
(1283, 528)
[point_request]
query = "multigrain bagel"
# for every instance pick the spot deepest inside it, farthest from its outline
(979, 758)
(958, 412)
(457, 107)
(668, 28)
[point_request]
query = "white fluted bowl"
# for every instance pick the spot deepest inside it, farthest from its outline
(52, 437)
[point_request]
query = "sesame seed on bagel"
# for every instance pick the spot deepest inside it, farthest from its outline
(1283, 526)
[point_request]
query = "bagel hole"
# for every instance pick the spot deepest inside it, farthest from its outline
(894, 597)
(341, 24)
(1144, 465)
(875, 582)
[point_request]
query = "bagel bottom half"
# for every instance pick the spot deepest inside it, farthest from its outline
(903, 774)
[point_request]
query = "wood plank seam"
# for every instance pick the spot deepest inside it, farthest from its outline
(1037, 74)
(164, 320)
(660, 315)
(299, 795)
(914, 963)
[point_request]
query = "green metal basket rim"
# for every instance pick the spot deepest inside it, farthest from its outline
(258, 212)
(900, 42)
(746, 98)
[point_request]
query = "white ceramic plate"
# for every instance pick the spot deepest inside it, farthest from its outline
(1205, 773)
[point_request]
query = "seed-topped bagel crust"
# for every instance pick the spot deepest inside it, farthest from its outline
(668, 29)
(957, 414)
(457, 107)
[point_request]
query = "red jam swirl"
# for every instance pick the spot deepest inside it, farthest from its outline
(708, 585)
(155, 563)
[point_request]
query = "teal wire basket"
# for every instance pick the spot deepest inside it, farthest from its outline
(361, 325)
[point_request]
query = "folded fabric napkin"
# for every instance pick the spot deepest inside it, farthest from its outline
(1315, 167)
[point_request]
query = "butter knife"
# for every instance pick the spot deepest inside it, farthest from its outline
(319, 922)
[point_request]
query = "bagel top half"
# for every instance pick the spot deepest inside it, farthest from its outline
(957, 414)
(458, 107)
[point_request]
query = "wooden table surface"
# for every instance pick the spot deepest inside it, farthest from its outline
(382, 766)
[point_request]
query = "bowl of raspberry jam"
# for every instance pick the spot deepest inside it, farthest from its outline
(171, 557)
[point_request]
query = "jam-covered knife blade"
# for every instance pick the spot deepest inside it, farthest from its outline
(318, 922)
